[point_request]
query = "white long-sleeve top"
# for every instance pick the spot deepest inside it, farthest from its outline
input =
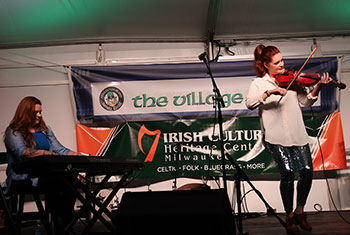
(281, 123)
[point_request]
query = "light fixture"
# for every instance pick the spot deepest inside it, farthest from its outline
(318, 52)
(100, 55)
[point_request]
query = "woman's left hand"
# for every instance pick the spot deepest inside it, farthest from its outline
(325, 79)
(72, 153)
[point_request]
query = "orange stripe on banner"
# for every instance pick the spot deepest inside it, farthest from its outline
(332, 145)
(92, 141)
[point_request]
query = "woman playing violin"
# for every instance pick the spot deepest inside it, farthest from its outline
(283, 129)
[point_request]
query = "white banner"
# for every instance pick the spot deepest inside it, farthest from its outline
(167, 96)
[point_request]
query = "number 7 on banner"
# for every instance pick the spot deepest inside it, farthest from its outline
(152, 151)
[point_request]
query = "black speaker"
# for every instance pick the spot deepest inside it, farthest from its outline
(175, 212)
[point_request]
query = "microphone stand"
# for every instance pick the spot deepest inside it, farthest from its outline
(241, 175)
(218, 101)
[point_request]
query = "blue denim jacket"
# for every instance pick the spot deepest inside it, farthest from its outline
(15, 145)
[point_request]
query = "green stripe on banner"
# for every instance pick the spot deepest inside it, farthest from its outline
(187, 148)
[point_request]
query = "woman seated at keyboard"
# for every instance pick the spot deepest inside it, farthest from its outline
(28, 136)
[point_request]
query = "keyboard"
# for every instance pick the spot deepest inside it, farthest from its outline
(44, 164)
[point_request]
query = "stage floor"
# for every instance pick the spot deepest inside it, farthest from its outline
(323, 223)
(327, 223)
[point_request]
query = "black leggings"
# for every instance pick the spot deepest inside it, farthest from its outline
(284, 157)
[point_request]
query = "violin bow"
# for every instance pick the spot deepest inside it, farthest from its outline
(299, 71)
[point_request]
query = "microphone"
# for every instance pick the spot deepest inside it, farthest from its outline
(203, 56)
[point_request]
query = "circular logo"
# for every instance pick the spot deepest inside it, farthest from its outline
(111, 98)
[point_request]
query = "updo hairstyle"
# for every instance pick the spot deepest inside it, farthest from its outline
(263, 54)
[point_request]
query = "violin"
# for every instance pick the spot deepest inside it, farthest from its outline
(292, 76)
(303, 79)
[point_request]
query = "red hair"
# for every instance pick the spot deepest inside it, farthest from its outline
(24, 119)
(263, 55)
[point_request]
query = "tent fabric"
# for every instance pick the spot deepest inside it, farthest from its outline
(37, 22)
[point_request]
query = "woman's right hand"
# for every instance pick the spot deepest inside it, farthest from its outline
(278, 91)
(275, 91)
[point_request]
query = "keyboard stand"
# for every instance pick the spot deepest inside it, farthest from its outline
(90, 200)
(50, 164)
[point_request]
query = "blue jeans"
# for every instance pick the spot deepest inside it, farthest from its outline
(286, 157)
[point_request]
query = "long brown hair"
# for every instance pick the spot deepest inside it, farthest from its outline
(24, 119)
(263, 54)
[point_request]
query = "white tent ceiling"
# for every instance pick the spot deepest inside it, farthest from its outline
(34, 23)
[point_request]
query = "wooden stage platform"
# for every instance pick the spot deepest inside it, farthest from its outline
(326, 223)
